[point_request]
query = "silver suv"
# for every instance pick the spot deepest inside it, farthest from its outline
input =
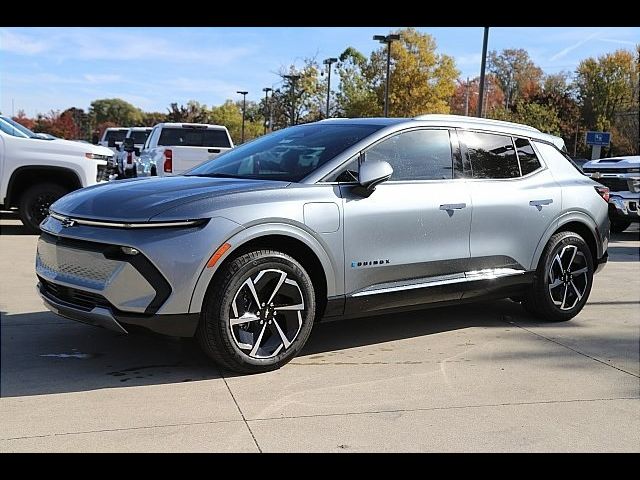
(341, 217)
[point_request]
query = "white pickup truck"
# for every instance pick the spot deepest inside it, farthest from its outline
(173, 148)
(129, 151)
(112, 138)
(35, 172)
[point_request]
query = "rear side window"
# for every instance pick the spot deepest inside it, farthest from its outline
(528, 160)
(416, 155)
(116, 135)
(490, 155)
(194, 137)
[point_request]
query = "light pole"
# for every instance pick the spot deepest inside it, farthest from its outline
(244, 109)
(466, 100)
(267, 107)
(483, 65)
(328, 63)
(292, 81)
(388, 39)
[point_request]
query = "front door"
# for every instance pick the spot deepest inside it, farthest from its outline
(408, 241)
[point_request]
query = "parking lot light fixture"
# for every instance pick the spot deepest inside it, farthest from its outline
(267, 108)
(244, 109)
(328, 62)
(388, 39)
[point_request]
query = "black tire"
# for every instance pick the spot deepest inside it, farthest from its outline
(216, 335)
(35, 202)
(619, 226)
(538, 300)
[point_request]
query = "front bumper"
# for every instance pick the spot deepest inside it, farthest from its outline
(625, 206)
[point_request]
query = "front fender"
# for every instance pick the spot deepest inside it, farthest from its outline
(241, 238)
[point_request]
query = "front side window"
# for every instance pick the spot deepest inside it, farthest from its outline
(416, 155)
(289, 155)
(490, 155)
(528, 160)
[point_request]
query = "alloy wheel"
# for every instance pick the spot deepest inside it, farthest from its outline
(568, 277)
(266, 313)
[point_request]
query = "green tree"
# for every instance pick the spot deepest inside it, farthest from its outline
(229, 114)
(149, 119)
(192, 112)
(115, 110)
(606, 88)
(543, 117)
(357, 96)
(517, 75)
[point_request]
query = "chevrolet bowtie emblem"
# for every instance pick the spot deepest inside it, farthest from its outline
(68, 222)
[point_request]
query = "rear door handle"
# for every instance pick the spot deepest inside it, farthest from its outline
(453, 206)
(213, 150)
(540, 203)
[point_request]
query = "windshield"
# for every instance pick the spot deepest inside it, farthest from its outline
(11, 127)
(139, 136)
(194, 137)
(289, 155)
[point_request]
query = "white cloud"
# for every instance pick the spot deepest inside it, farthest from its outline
(621, 42)
(572, 47)
(102, 78)
(20, 44)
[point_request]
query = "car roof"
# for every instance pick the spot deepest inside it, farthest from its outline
(459, 121)
(110, 129)
(137, 129)
(187, 124)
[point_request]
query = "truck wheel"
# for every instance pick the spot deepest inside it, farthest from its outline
(563, 279)
(619, 226)
(257, 313)
(35, 202)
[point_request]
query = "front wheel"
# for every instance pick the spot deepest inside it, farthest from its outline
(563, 279)
(619, 226)
(258, 312)
(35, 202)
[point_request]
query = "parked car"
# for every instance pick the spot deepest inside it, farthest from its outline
(344, 217)
(622, 176)
(129, 151)
(112, 137)
(173, 148)
(35, 172)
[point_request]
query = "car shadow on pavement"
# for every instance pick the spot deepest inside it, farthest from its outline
(623, 254)
(17, 229)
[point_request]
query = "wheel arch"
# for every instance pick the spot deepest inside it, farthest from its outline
(26, 176)
(302, 246)
(577, 222)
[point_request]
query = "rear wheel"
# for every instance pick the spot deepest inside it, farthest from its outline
(563, 279)
(619, 226)
(258, 313)
(35, 202)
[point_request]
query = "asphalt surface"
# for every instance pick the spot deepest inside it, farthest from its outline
(482, 377)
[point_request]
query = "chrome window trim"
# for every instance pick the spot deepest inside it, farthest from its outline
(98, 223)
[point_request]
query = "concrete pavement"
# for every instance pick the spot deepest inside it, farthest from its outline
(483, 377)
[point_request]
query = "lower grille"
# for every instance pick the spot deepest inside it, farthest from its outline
(77, 298)
(615, 184)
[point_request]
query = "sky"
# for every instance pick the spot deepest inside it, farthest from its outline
(43, 69)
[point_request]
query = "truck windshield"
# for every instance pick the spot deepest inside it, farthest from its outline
(11, 127)
(194, 137)
(116, 135)
(289, 155)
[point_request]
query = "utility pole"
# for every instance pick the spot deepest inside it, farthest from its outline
(575, 143)
(638, 73)
(244, 109)
(292, 81)
(485, 40)
(466, 100)
(328, 63)
(388, 39)
(267, 108)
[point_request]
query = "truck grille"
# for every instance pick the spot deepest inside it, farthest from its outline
(77, 298)
(614, 184)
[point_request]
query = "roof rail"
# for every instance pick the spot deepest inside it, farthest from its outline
(485, 121)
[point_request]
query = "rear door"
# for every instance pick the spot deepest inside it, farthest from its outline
(515, 200)
(192, 146)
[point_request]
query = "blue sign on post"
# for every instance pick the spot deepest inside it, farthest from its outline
(601, 139)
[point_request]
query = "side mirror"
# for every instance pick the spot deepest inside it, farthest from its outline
(111, 142)
(372, 174)
(128, 144)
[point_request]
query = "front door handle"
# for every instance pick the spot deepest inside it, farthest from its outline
(453, 206)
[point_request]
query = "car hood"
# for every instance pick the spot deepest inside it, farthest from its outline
(138, 200)
(626, 162)
(70, 145)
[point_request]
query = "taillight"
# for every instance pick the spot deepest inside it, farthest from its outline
(603, 192)
(168, 161)
(129, 158)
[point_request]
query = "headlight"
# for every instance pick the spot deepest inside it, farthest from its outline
(95, 156)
